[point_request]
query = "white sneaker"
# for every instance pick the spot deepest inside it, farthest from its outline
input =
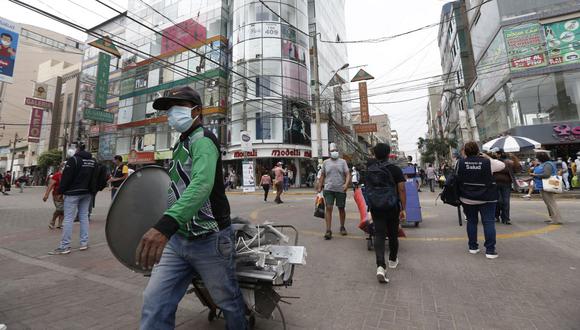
(492, 255)
(382, 275)
(476, 251)
(393, 264)
(527, 196)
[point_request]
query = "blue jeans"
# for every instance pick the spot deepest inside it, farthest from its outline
(72, 205)
(503, 202)
(487, 211)
(212, 259)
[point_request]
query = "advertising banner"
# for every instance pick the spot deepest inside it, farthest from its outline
(364, 102)
(365, 128)
(35, 125)
(9, 33)
(38, 103)
(246, 139)
(525, 47)
(187, 33)
(102, 88)
(248, 176)
(563, 40)
(98, 115)
(107, 143)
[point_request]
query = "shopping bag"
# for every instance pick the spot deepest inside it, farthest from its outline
(319, 206)
(366, 223)
(575, 182)
(552, 184)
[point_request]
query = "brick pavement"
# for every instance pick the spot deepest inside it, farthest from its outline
(535, 284)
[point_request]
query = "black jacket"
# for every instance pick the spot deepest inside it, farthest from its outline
(476, 181)
(77, 174)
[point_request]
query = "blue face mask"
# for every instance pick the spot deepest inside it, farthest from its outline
(179, 117)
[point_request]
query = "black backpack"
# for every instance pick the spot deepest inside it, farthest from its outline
(99, 178)
(450, 193)
(380, 188)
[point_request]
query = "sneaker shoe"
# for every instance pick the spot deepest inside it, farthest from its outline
(507, 223)
(382, 275)
(50, 226)
(58, 251)
(84, 248)
(343, 231)
(491, 255)
(393, 264)
(527, 196)
(328, 235)
(474, 251)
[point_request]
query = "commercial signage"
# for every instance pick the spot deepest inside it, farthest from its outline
(9, 34)
(141, 157)
(94, 130)
(271, 30)
(249, 182)
(106, 44)
(102, 89)
(364, 102)
(270, 153)
(246, 141)
(566, 132)
(185, 33)
(107, 144)
(38, 103)
(40, 91)
(365, 128)
(563, 42)
(525, 47)
(98, 115)
(35, 125)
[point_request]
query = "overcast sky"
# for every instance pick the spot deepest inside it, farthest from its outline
(398, 60)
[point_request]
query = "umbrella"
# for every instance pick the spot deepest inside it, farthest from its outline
(511, 144)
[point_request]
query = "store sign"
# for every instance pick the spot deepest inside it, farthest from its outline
(246, 141)
(99, 115)
(270, 153)
(35, 126)
(525, 47)
(364, 102)
(563, 42)
(102, 89)
(10, 32)
(566, 132)
(188, 33)
(271, 30)
(141, 157)
(365, 128)
(38, 103)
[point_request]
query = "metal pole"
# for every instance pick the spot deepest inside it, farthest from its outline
(13, 152)
(317, 101)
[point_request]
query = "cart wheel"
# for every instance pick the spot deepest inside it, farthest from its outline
(416, 224)
(211, 315)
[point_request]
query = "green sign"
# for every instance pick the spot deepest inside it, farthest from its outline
(563, 40)
(102, 89)
(525, 47)
(99, 115)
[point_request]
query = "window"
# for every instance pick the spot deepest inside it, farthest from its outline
(263, 125)
(262, 86)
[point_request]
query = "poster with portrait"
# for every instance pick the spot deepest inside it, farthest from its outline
(9, 34)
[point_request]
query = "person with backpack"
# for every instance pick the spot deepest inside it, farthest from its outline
(386, 197)
(75, 185)
(478, 195)
(544, 170)
(119, 175)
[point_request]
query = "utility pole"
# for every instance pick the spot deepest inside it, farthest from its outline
(13, 152)
(317, 94)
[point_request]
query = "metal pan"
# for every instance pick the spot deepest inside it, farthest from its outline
(138, 205)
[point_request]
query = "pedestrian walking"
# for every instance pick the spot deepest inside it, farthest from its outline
(431, 177)
(7, 181)
(334, 180)
(2, 184)
(503, 180)
(194, 237)
(119, 175)
(74, 185)
(478, 195)
(290, 177)
(21, 182)
(57, 198)
(563, 169)
(544, 170)
(385, 189)
(355, 175)
(278, 182)
(266, 183)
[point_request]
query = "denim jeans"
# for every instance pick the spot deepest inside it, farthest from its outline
(72, 205)
(212, 259)
(503, 202)
(487, 211)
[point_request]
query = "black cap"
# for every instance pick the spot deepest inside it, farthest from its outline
(185, 93)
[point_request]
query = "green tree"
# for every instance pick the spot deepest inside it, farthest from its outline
(435, 149)
(50, 158)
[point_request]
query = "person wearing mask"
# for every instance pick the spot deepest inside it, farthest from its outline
(544, 170)
(335, 180)
(503, 180)
(266, 183)
(478, 195)
(577, 163)
(74, 185)
(57, 198)
(355, 178)
(385, 178)
(431, 177)
(278, 182)
(563, 167)
(194, 236)
(119, 175)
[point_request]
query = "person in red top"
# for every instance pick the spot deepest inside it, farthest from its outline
(57, 198)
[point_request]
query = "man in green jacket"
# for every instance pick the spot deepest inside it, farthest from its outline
(194, 236)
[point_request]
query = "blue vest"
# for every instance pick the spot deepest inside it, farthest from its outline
(475, 179)
(538, 185)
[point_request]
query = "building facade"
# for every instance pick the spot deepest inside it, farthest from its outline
(434, 114)
(528, 71)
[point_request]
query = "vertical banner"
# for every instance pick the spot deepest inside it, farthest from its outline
(248, 176)
(102, 88)
(35, 125)
(9, 34)
(364, 102)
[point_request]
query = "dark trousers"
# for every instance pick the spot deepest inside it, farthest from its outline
(486, 210)
(502, 209)
(266, 188)
(431, 184)
(386, 225)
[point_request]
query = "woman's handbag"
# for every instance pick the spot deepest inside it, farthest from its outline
(553, 184)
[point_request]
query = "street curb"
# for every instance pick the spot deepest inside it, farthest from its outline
(558, 196)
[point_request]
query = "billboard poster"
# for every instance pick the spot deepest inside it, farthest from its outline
(35, 126)
(525, 47)
(563, 40)
(248, 176)
(102, 89)
(9, 34)
(246, 140)
(187, 33)
(107, 143)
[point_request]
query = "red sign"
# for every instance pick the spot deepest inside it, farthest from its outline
(364, 102)
(365, 128)
(35, 125)
(247, 154)
(286, 153)
(566, 132)
(185, 33)
(528, 62)
(141, 157)
(38, 103)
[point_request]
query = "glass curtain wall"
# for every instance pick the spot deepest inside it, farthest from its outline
(273, 104)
